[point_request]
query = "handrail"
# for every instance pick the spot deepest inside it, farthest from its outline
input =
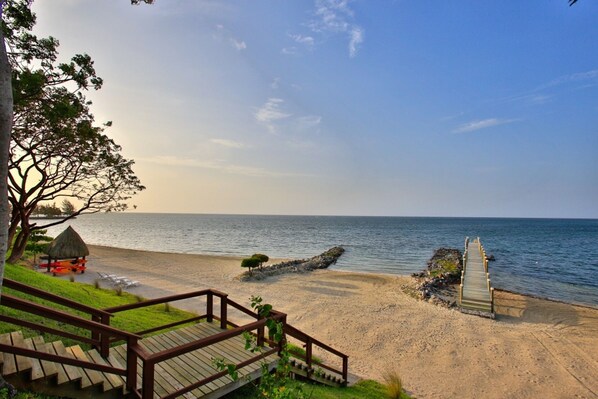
(310, 341)
(17, 286)
(41, 310)
(100, 334)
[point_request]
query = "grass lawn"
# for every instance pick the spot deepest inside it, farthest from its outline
(99, 298)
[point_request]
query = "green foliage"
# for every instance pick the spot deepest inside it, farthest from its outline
(261, 258)
(250, 263)
(394, 385)
(38, 242)
(55, 141)
(447, 267)
(131, 320)
(367, 389)
(271, 385)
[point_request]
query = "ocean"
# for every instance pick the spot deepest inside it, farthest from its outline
(549, 258)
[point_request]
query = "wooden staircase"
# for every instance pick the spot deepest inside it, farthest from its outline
(55, 378)
(178, 363)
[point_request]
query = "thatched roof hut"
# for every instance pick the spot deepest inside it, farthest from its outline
(68, 244)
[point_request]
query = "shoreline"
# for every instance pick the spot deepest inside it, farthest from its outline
(535, 348)
(331, 269)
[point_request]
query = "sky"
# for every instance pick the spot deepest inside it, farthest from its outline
(340, 107)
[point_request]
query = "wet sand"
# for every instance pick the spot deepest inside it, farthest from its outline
(534, 349)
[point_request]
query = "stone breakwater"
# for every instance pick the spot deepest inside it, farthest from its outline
(443, 271)
(321, 261)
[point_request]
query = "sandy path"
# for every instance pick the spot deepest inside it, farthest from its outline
(534, 349)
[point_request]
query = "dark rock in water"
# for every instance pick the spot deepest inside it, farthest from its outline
(491, 258)
(443, 269)
(321, 261)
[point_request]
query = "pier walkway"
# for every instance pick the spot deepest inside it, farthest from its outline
(475, 291)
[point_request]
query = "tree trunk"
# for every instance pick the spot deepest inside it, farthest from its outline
(18, 248)
(5, 130)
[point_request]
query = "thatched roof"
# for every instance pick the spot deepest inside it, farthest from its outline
(68, 244)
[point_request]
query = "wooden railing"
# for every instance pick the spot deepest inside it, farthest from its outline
(232, 329)
(98, 331)
(102, 335)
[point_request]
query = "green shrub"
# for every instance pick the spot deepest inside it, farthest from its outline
(250, 263)
(394, 385)
(261, 258)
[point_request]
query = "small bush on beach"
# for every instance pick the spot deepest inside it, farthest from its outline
(261, 259)
(394, 385)
(250, 263)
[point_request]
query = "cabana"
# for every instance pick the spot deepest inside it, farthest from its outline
(66, 253)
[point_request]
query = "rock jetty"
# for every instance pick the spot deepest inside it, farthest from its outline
(321, 261)
(443, 271)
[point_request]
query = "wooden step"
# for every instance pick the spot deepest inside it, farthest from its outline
(9, 363)
(71, 373)
(37, 371)
(111, 381)
(24, 364)
(50, 368)
(94, 376)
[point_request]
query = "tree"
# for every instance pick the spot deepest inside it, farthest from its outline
(67, 207)
(56, 150)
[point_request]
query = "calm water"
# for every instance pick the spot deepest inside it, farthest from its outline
(552, 258)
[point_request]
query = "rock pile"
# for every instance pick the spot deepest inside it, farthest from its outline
(436, 283)
(321, 261)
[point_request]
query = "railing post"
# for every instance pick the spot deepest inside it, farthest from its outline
(308, 355)
(223, 311)
(95, 335)
(210, 307)
(346, 369)
(105, 338)
(147, 391)
(283, 340)
(132, 365)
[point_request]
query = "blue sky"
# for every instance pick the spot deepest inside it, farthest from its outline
(331, 107)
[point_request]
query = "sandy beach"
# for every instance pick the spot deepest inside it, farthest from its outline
(534, 349)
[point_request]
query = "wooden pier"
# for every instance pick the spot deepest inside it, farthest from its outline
(475, 292)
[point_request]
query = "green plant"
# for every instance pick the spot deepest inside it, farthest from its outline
(72, 277)
(394, 385)
(250, 263)
(276, 385)
(118, 290)
(96, 283)
(167, 307)
(261, 259)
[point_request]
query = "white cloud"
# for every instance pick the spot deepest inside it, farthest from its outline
(271, 112)
(251, 171)
(482, 124)
(228, 143)
(306, 40)
(334, 16)
(238, 44)
(223, 35)
(309, 121)
(356, 40)
(289, 50)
